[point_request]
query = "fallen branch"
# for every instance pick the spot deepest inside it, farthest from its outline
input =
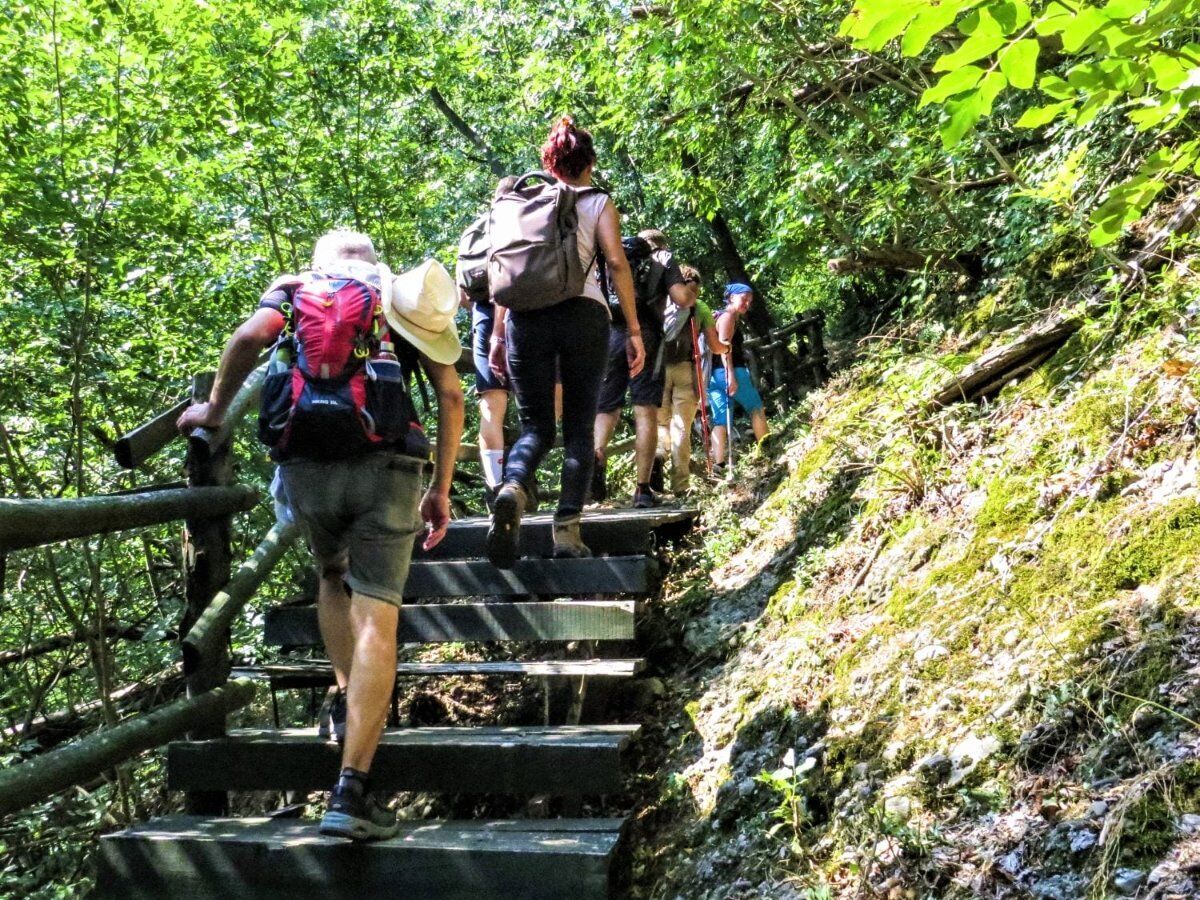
(907, 259)
(61, 641)
(998, 367)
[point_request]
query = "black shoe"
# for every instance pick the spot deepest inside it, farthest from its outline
(503, 537)
(355, 813)
(600, 479)
(332, 721)
(657, 482)
(644, 498)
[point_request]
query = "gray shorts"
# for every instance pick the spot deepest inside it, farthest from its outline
(360, 517)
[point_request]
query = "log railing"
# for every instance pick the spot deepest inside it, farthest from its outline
(215, 593)
(789, 360)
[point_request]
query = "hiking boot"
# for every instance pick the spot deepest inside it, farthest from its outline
(600, 479)
(644, 497)
(568, 544)
(332, 720)
(503, 536)
(355, 813)
(657, 481)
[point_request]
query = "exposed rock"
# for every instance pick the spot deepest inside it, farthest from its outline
(935, 768)
(1128, 882)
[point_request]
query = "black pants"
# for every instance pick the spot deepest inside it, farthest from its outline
(571, 338)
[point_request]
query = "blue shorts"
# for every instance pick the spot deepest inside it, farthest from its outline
(482, 319)
(718, 398)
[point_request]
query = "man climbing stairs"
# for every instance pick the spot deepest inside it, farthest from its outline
(193, 856)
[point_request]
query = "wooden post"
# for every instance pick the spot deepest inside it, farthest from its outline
(207, 560)
(816, 344)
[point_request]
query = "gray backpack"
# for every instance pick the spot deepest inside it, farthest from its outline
(533, 257)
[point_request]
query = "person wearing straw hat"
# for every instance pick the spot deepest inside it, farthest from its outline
(360, 512)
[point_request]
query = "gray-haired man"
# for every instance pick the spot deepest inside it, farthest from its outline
(360, 514)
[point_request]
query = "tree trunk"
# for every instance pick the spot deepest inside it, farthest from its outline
(460, 125)
(759, 317)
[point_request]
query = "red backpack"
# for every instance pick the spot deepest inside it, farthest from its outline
(334, 387)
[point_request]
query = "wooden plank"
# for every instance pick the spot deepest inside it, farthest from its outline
(545, 577)
(612, 620)
(561, 760)
(320, 673)
(214, 859)
(612, 532)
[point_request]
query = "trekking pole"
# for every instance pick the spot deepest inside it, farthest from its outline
(703, 393)
(729, 434)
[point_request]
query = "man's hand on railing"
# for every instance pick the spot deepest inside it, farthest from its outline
(199, 415)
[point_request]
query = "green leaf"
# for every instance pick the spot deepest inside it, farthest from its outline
(952, 83)
(1055, 87)
(928, 23)
(1054, 19)
(1019, 63)
(1042, 115)
(1087, 27)
(963, 113)
(993, 83)
(1011, 14)
(891, 26)
(984, 41)
(1169, 72)
(1123, 9)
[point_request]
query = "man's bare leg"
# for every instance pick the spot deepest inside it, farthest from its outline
(333, 616)
(373, 675)
(645, 422)
(718, 445)
(606, 424)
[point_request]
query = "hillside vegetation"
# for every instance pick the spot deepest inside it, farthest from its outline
(950, 653)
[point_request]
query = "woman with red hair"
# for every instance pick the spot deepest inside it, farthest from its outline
(569, 338)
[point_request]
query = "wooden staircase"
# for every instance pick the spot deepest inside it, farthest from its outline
(199, 857)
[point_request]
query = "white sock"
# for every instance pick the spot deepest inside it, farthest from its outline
(493, 466)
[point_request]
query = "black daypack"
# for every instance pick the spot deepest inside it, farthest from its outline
(647, 276)
(471, 271)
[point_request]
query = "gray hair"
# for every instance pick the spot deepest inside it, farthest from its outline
(341, 244)
(654, 238)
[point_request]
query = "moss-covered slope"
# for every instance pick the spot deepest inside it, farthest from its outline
(951, 654)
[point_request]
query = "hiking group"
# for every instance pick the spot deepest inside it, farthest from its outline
(565, 314)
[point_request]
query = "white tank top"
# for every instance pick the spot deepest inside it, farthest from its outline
(589, 208)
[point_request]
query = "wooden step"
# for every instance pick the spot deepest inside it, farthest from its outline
(215, 859)
(613, 532)
(320, 673)
(546, 577)
(560, 760)
(601, 620)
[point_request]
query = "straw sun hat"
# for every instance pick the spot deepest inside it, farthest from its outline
(420, 305)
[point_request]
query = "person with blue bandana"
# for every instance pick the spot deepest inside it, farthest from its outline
(731, 382)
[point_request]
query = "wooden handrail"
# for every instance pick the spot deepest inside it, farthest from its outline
(203, 441)
(57, 770)
(134, 448)
(212, 628)
(31, 523)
